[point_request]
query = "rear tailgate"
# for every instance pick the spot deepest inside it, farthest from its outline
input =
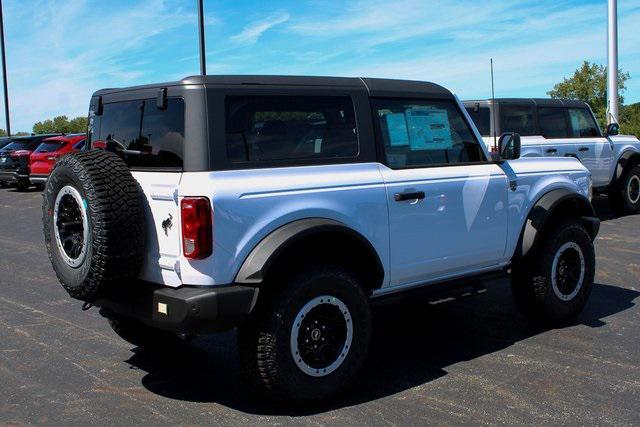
(162, 228)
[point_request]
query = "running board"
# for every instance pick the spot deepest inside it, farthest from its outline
(441, 292)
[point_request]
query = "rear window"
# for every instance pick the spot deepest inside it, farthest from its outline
(21, 145)
(49, 146)
(553, 122)
(518, 118)
(481, 117)
(283, 128)
(145, 136)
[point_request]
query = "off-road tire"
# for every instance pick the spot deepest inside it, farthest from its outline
(621, 199)
(265, 341)
(113, 204)
(531, 280)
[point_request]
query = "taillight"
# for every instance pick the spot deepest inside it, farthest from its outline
(197, 228)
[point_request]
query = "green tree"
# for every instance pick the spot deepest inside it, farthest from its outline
(589, 84)
(3, 132)
(630, 119)
(61, 124)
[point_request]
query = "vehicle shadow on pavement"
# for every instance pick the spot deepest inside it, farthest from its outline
(413, 344)
(604, 210)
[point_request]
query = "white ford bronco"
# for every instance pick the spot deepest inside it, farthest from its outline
(567, 128)
(288, 206)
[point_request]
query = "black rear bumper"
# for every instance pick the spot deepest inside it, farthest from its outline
(191, 310)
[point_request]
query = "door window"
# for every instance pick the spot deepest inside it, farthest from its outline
(582, 123)
(481, 117)
(518, 118)
(553, 122)
(424, 133)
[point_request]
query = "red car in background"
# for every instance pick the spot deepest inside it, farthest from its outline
(45, 156)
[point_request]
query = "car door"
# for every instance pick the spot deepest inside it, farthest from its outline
(447, 203)
(587, 144)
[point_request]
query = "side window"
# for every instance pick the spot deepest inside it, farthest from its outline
(79, 145)
(273, 128)
(481, 117)
(518, 118)
(553, 122)
(424, 133)
(582, 123)
(142, 134)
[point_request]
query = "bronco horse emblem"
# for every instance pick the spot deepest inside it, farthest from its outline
(167, 224)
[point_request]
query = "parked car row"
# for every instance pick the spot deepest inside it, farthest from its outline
(28, 160)
(566, 128)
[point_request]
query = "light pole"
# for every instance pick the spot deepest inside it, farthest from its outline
(612, 68)
(203, 59)
(4, 73)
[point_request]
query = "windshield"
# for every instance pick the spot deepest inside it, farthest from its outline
(49, 146)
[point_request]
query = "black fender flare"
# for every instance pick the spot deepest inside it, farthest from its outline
(543, 209)
(257, 263)
(628, 157)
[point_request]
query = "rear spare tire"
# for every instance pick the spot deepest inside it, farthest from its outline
(93, 221)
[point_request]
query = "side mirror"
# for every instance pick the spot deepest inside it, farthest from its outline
(509, 146)
(613, 129)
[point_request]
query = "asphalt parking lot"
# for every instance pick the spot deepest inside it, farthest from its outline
(473, 361)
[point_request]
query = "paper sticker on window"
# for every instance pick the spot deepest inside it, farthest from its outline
(429, 129)
(397, 129)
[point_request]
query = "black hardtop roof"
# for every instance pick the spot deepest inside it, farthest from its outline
(376, 87)
(541, 102)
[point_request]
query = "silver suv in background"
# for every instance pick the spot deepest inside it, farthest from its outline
(567, 128)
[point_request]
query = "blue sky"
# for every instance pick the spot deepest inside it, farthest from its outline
(59, 52)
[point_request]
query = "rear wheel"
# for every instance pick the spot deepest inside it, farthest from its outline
(625, 197)
(552, 285)
(309, 339)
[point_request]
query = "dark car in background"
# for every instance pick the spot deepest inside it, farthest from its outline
(44, 157)
(4, 141)
(14, 159)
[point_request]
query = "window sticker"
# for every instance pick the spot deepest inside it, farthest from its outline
(397, 129)
(429, 129)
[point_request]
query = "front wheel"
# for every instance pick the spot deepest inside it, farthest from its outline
(309, 339)
(552, 285)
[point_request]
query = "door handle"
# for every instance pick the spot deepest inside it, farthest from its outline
(409, 195)
(551, 150)
(583, 149)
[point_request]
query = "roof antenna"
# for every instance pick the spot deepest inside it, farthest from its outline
(493, 110)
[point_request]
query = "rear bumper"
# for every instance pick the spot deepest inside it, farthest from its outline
(8, 175)
(191, 310)
(38, 179)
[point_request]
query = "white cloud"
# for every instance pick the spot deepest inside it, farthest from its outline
(252, 32)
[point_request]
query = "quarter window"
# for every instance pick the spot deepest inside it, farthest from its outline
(518, 118)
(145, 136)
(285, 128)
(424, 133)
(582, 123)
(553, 122)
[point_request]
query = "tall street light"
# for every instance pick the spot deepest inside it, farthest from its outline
(203, 59)
(4, 73)
(612, 68)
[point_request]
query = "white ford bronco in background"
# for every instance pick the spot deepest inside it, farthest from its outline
(567, 128)
(288, 206)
